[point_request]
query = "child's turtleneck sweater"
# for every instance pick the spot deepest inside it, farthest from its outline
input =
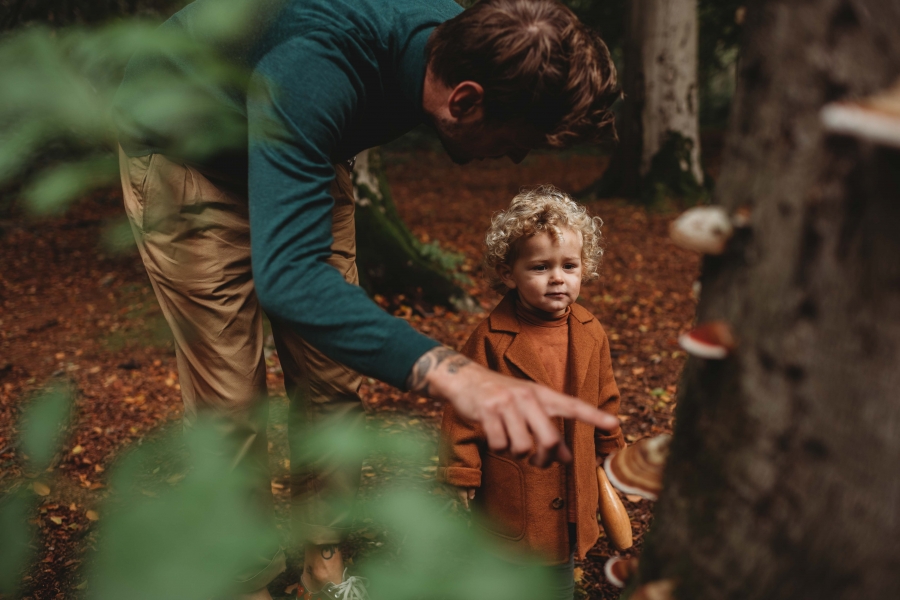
(550, 338)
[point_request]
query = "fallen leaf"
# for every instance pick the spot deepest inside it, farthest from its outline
(92, 515)
(78, 449)
(291, 588)
(41, 489)
(633, 497)
(579, 574)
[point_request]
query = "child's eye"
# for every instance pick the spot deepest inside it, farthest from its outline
(539, 268)
(571, 266)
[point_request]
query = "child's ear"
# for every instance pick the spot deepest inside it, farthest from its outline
(505, 274)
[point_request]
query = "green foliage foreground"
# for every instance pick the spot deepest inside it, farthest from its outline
(188, 530)
(56, 92)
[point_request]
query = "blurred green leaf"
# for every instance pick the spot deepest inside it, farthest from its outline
(44, 419)
(57, 187)
(440, 556)
(14, 543)
(189, 540)
(118, 237)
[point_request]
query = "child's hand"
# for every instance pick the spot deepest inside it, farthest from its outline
(465, 494)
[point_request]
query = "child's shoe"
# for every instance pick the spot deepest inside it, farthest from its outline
(351, 588)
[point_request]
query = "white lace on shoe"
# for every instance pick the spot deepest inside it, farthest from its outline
(351, 588)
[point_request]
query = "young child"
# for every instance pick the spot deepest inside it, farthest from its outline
(539, 251)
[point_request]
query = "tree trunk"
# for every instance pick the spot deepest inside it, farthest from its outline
(659, 153)
(390, 259)
(782, 480)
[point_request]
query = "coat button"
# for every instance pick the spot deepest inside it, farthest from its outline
(557, 503)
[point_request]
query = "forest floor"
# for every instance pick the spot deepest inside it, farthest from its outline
(75, 312)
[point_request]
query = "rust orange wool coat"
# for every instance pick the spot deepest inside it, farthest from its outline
(522, 504)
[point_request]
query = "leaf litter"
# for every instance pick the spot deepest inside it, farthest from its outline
(77, 313)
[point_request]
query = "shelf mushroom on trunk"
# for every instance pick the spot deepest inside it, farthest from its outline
(638, 469)
(713, 340)
(620, 570)
(876, 118)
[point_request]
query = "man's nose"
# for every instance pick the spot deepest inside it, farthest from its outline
(517, 156)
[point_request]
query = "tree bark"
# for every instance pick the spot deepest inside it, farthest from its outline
(390, 259)
(782, 480)
(659, 153)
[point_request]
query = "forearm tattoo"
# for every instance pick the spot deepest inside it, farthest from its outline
(430, 361)
(327, 552)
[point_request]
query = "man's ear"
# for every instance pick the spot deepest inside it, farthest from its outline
(505, 274)
(466, 101)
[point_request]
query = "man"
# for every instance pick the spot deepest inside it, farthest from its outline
(324, 80)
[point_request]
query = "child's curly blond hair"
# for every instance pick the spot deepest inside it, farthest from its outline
(543, 208)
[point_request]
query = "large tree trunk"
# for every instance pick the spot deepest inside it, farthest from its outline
(659, 153)
(783, 476)
(390, 259)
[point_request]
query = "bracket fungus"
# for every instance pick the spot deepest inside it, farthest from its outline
(613, 515)
(638, 469)
(713, 340)
(703, 229)
(876, 118)
(619, 570)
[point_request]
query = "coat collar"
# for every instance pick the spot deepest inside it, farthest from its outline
(522, 354)
(503, 318)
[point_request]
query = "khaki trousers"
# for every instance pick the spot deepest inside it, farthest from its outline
(192, 230)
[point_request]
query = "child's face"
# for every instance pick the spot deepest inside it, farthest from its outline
(546, 272)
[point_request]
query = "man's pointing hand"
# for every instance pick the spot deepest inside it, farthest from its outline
(513, 413)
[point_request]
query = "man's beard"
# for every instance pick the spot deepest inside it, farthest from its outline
(445, 135)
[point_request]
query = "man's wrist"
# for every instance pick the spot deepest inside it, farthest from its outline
(432, 374)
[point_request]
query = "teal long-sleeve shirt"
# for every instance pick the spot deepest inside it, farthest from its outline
(321, 81)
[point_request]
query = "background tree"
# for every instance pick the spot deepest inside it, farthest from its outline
(781, 481)
(659, 151)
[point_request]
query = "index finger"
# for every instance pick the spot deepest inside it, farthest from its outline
(559, 405)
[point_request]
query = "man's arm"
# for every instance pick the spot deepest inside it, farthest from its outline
(296, 116)
(514, 413)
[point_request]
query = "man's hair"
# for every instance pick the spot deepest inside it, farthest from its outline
(537, 63)
(536, 210)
